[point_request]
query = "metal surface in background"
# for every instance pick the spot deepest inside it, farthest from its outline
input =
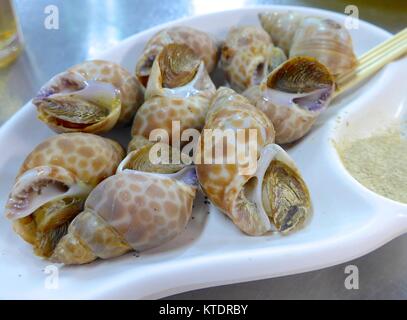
(92, 26)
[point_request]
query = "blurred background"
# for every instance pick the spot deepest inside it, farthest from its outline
(88, 27)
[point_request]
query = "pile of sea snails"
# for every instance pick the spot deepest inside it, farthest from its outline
(78, 197)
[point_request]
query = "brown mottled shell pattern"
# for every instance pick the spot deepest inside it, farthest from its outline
(130, 210)
(327, 41)
(244, 56)
(202, 44)
(144, 209)
(131, 91)
(291, 122)
(159, 112)
(163, 105)
(135, 210)
(222, 182)
(89, 157)
(317, 37)
(281, 27)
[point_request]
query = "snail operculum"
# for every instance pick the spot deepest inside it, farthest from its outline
(73, 110)
(285, 196)
(42, 203)
(178, 64)
(71, 101)
(46, 241)
(275, 196)
(302, 81)
(153, 157)
(56, 213)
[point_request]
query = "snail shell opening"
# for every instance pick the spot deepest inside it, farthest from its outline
(275, 198)
(302, 81)
(68, 103)
(178, 65)
(42, 203)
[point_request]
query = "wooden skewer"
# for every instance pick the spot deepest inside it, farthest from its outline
(383, 46)
(379, 59)
(366, 70)
(375, 55)
(373, 61)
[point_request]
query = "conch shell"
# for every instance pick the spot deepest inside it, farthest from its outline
(321, 38)
(179, 89)
(53, 183)
(247, 56)
(200, 42)
(293, 96)
(91, 97)
(131, 210)
(271, 195)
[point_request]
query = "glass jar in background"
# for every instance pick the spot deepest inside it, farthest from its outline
(10, 40)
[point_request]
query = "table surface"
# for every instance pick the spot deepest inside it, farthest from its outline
(94, 25)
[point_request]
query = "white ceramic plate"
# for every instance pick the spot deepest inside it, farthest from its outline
(349, 220)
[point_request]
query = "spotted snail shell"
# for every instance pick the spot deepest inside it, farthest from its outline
(179, 89)
(293, 96)
(53, 183)
(91, 97)
(247, 56)
(321, 38)
(131, 210)
(200, 42)
(267, 195)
